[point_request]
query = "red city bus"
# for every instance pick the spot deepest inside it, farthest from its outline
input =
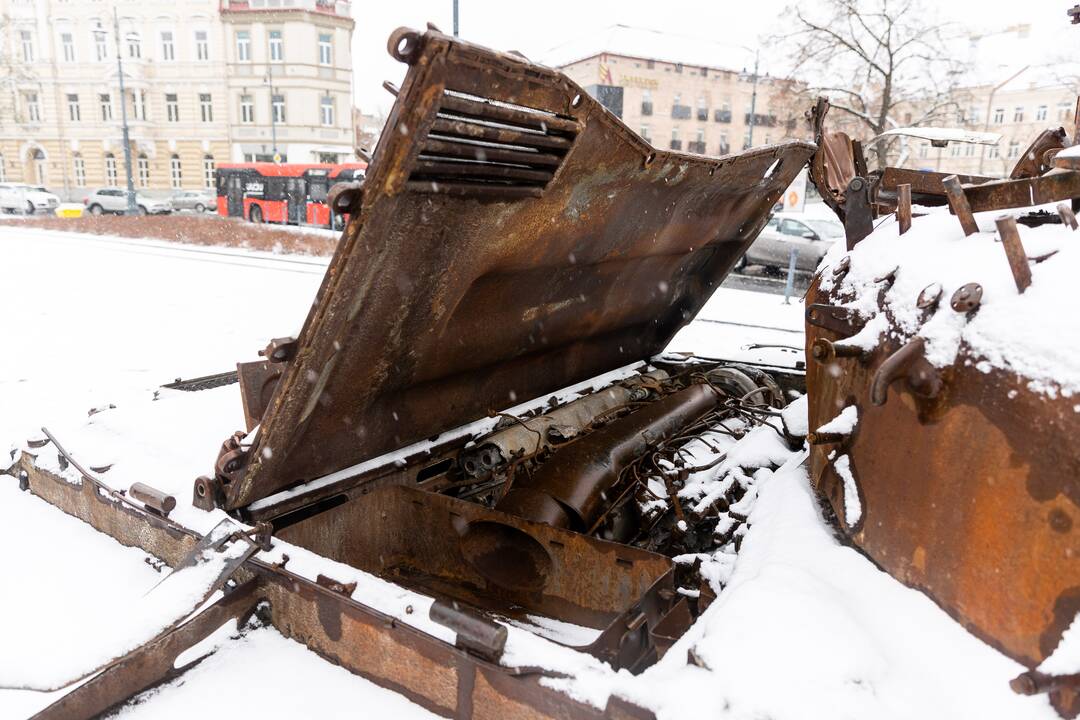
(291, 193)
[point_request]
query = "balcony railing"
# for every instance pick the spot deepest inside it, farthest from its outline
(676, 144)
(696, 147)
(702, 114)
(646, 108)
(761, 120)
(724, 149)
(722, 116)
(680, 112)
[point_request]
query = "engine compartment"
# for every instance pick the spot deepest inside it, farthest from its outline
(565, 515)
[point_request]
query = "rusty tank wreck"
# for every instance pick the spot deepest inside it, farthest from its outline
(478, 407)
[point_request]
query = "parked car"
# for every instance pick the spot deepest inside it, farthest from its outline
(811, 237)
(26, 199)
(197, 200)
(114, 200)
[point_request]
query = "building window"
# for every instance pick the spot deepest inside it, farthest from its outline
(1064, 110)
(74, 114)
(969, 150)
(973, 115)
(993, 152)
(168, 48)
(67, 42)
(999, 115)
(954, 149)
(110, 169)
(33, 107)
(702, 108)
(27, 39)
(134, 45)
(645, 133)
(247, 109)
(725, 148)
(646, 102)
(105, 100)
(326, 110)
(175, 172)
(1018, 114)
(138, 103)
(243, 46)
(41, 169)
(277, 107)
(208, 171)
(1040, 114)
(206, 107)
(676, 143)
(924, 149)
(79, 166)
(102, 50)
(3, 170)
(277, 48)
(326, 50)
(202, 45)
(1014, 149)
(143, 167)
(172, 108)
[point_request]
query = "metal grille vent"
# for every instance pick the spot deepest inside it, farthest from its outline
(481, 147)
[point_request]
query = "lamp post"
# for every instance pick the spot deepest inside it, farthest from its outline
(132, 208)
(753, 100)
(273, 108)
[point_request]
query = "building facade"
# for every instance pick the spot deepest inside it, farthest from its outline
(693, 108)
(1018, 108)
(192, 99)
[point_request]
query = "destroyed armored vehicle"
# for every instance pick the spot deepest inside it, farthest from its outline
(941, 435)
(478, 414)
(476, 407)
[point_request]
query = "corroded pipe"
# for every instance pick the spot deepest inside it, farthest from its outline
(571, 489)
(568, 490)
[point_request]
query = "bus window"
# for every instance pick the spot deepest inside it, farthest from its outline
(317, 190)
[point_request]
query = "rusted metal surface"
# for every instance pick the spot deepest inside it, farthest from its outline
(955, 494)
(1053, 187)
(152, 663)
(431, 542)
(152, 498)
(473, 274)
(832, 167)
(958, 203)
(1014, 251)
(1068, 217)
(430, 672)
(569, 490)
(903, 207)
(1039, 155)
(475, 633)
(858, 211)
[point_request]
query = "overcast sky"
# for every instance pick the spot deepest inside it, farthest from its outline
(535, 28)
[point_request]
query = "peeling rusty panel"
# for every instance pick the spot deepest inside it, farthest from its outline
(971, 496)
(149, 664)
(438, 308)
(90, 503)
(415, 538)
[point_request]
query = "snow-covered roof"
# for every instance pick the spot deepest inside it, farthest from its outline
(651, 44)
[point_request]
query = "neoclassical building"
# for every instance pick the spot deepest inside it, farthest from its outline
(206, 81)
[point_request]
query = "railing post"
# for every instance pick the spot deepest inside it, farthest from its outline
(789, 286)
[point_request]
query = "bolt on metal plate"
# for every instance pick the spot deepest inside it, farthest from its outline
(967, 298)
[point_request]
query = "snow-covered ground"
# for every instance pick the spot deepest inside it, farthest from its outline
(805, 627)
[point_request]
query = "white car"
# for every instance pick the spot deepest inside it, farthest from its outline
(811, 237)
(114, 200)
(26, 199)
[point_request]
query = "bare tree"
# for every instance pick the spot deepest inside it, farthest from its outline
(882, 63)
